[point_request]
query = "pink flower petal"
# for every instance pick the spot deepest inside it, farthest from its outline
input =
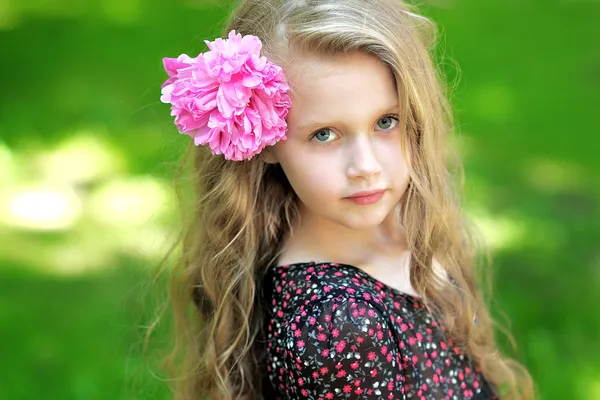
(229, 97)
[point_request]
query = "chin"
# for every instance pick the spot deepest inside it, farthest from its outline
(367, 220)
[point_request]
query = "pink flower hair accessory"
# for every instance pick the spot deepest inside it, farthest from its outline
(230, 97)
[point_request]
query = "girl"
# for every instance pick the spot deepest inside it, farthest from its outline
(326, 255)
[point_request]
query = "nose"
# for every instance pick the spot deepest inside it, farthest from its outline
(363, 160)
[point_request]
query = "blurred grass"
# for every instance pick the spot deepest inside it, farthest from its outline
(75, 338)
(89, 149)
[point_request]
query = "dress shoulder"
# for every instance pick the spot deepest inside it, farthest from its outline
(341, 346)
(333, 331)
(299, 285)
(333, 339)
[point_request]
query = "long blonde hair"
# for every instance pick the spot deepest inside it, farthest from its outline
(242, 210)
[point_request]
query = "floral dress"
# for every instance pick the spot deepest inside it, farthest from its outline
(335, 332)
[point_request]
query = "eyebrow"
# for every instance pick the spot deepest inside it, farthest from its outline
(312, 125)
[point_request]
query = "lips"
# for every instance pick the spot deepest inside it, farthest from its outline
(364, 193)
(366, 197)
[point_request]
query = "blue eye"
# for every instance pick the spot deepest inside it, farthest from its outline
(386, 123)
(324, 135)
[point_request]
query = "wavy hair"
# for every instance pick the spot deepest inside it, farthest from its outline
(242, 210)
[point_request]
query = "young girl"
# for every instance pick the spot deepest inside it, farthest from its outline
(326, 255)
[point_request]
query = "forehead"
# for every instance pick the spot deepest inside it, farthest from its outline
(330, 88)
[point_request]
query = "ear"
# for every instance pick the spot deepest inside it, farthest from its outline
(267, 155)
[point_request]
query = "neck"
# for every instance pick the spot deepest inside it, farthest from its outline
(317, 239)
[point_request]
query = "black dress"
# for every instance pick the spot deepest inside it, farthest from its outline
(335, 332)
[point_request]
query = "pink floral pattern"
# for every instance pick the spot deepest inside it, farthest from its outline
(335, 332)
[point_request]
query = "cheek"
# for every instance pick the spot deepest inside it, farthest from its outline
(312, 177)
(391, 154)
(395, 164)
(400, 179)
(310, 180)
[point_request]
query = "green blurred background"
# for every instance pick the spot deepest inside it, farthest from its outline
(87, 154)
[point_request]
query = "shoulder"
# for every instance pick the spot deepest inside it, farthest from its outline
(341, 329)
(331, 325)
(328, 338)
(319, 304)
(300, 287)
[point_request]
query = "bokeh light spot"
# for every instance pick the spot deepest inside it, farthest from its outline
(40, 208)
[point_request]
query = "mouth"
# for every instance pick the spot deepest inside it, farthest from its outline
(366, 197)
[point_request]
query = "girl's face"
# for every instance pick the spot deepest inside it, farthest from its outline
(343, 139)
